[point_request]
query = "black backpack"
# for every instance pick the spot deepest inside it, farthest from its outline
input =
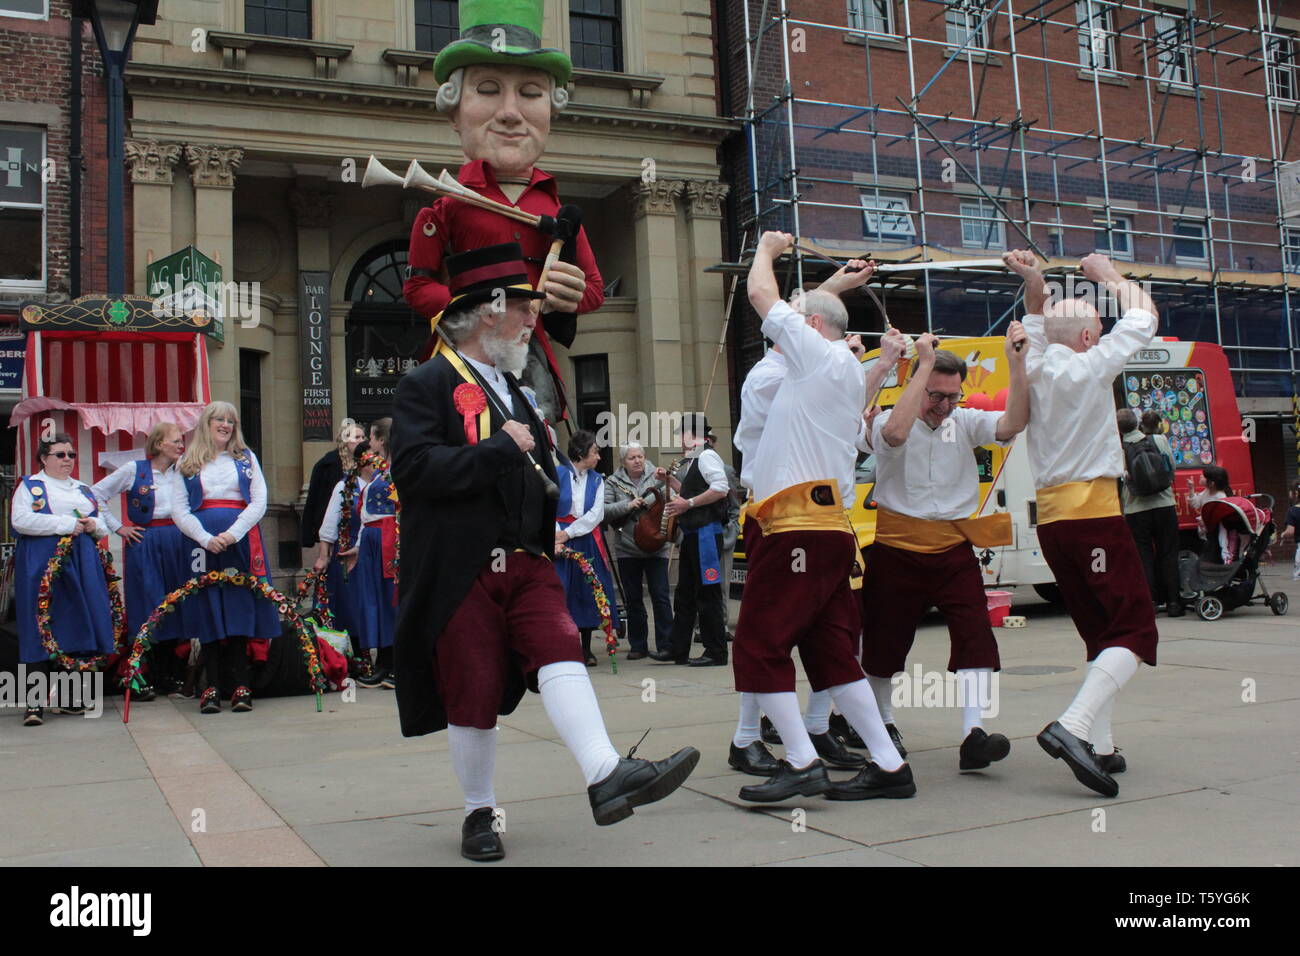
(1149, 471)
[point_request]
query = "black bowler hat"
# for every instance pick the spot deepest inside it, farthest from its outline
(474, 277)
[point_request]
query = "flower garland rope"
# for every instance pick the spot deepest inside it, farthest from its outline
(380, 465)
(602, 602)
(145, 638)
(314, 584)
(53, 570)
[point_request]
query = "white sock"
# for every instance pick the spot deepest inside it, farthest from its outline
(783, 710)
(858, 705)
(1109, 671)
(817, 713)
(883, 688)
(474, 758)
(974, 694)
(1103, 744)
(570, 702)
(747, 728)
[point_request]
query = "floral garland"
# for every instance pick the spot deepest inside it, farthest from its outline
(380, 464)
(52, 571)
(244, 579)
(314, 584)
(602, 602)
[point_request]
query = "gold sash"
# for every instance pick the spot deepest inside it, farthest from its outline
(810, 506)
(485, 416)
(924, 536)
(1098, 498)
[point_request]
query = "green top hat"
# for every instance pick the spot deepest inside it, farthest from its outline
(501, 31)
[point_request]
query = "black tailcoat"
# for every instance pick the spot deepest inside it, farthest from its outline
(453, 497)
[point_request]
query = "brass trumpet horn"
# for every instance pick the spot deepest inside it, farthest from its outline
(377, 174)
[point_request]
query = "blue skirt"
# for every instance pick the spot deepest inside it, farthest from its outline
(577, 592)
(374, 611)
(80, 617)
(340, 595)
(155, 567)
(224, 610)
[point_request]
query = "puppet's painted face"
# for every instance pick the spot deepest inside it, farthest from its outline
(504, 116)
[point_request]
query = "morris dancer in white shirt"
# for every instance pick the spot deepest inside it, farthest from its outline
(798, 592)
(748, 753)
(927, 485)
(1077, 458)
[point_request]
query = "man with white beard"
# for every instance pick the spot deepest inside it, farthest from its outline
(482, 614)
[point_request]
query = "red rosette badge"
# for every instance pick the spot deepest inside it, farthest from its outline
(470, 402)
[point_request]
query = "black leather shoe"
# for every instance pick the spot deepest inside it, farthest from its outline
(478, 841)
(834, 754)
(636, 782)
(755, 760)
(707, 660)
(980, 749)
(769, 732)
(1112, 763)
(1078, 754)
(841, 728)
(667, 657)
(897, 738)
(636, 655)
(872, 782)
(788, 782)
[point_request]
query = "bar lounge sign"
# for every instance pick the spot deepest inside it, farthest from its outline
(314, 336)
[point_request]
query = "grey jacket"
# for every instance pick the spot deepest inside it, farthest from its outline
(620, 515)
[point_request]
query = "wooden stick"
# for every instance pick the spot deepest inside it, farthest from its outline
(552, 257)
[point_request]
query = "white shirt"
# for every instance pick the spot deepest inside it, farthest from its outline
(583, 521)
(933, 474)
(494, 377)
(329, 527)
(1072, 434)
(220, 482)
(65, 496)
(711, 467)
(756, 396)
(816, 415)
(123, 480)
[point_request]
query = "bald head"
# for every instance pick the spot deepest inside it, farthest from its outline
(1073, 323)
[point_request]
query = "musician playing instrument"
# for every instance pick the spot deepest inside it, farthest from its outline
(700, 509)
(628, 494)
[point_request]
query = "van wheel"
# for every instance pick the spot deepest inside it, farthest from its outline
(1051, 593)
(1210, 609)
(1279, 602)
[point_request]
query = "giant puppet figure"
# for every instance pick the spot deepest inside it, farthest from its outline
(501, 90)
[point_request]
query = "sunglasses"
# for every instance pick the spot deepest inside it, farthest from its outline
(63, 454)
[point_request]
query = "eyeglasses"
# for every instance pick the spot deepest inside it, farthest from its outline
(63, 454)
(952, 398)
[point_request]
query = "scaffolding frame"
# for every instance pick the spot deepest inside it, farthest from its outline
(1177, 55)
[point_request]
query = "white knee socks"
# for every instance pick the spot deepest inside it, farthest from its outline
(474, 758)
(858, 704)
(1110, 671)
(571, 704)
(883, 688)
(817, 714)
(1103, 743)
(783, 710)
(747, 728)
(974, 695)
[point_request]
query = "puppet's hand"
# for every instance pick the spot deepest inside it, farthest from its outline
(565, 285)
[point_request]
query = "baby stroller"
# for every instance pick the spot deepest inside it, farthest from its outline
(1214, 582)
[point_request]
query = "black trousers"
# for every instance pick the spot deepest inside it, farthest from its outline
(692, 597)
(1156, 534)
(226, 663)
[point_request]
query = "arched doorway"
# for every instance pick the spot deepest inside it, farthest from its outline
(384, 336)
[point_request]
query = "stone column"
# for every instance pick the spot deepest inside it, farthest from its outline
(708, 302)
(212, 170)
(151, 166)
(659, 304)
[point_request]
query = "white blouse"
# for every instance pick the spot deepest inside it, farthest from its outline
(329, 528)
(584, 522)
(220, 482)
(122, 480)
(65, 497)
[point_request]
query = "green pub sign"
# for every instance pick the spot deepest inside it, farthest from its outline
(185, 281)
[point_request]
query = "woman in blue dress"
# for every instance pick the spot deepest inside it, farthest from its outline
(336, 530)
(578, 517)
(374, 566)
(219, 499)
(46, 507)
(156, 554)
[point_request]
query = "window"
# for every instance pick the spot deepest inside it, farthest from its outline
(1118, 243)
(886, 216)
(591, 378)
(596, 35)
(250, 399)
(871, 16)
(27, 9)
(1282, 66)
(1291, 250)
(436, 24)
(981, 226)
(964, 19)
(278, 18)
(1173, 56)
(22, 207)
(1096, 22)
(1189, 244)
